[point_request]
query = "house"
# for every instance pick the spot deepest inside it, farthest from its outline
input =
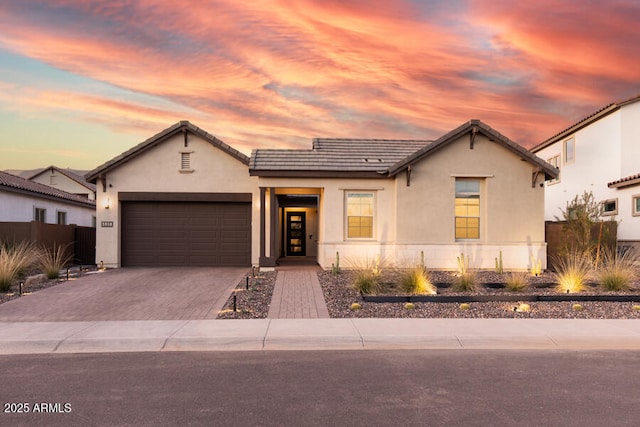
(22, 200)
(183, 197)
(599, 154)
(65, 180)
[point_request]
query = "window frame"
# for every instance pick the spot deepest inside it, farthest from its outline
(635, 205)
(565, 144)
(609, 213)
(555, 161)
(62, 214)
(36, 217)
(373, 196)
(466, 194)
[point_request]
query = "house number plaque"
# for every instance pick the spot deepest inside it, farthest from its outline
(106, 223)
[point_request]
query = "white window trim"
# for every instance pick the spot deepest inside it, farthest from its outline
(612, 213)
(346, 216)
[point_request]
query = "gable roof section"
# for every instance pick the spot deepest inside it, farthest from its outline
(72, 176)
(477, 127)
(334, 158)
(182, 126)
(586, 121)
(16, 184)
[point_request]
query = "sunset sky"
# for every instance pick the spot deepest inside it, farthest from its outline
(84, 80)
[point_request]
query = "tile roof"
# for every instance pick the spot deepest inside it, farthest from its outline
(69, 174)
(330, 156)
(625, 182)
(171, 131)
(15, 183)
(585, 121)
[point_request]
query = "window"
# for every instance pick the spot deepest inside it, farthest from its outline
(185, 161)
(360, 215)
(569, 150)
(635, 208)
(62, 218)
(40, 215)
(555, 162)
(609, 207)
(467, 208)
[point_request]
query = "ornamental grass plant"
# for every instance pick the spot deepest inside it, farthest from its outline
(572, 270)
(15, 259)
(53, 260)
(416, 281)
(617, 271)
(517, 281)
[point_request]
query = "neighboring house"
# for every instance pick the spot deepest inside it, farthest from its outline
(22, 200)
(599, 154)
(65, 180)
(183, 197)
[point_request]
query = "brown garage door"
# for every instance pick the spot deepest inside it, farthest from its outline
(186, 234)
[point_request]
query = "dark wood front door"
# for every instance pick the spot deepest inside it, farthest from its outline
(296, 232)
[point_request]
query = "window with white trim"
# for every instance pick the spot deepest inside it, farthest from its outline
(359, 214)
(467, 209)
(609, 207)
(569, 149)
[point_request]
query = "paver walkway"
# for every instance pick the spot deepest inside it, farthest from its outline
(298, 295)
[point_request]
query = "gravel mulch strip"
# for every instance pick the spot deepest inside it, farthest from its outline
(14, 292)
(339, 295)
(253, 303)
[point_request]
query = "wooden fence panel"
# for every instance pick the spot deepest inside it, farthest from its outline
(558, 239)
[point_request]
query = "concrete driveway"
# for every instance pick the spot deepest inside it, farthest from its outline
(130, 294)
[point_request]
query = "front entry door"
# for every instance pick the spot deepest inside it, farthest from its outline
(296, 232)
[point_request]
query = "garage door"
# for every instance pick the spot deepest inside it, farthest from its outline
(186, 234)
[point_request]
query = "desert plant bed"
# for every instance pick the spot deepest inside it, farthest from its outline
(252, 297)
(490, 299)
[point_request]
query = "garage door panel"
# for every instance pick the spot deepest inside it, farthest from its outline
(185, 233)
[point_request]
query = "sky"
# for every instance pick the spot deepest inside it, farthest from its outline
(81, 81)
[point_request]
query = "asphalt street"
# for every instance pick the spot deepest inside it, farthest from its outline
(337, 388)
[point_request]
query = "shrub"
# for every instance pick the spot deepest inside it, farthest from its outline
(616, 272)
(416, 281)
(366, 282)
(466, 281)
(51, 261)
(15, 259)
(517, 281)
(572, 270)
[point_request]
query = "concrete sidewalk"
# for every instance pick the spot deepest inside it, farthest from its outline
(317, 334)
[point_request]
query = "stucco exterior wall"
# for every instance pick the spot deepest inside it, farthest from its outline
(20, 208)
(512, 210)
(606, 150)
(158, 170)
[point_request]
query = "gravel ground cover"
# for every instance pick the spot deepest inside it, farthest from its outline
(254, 302)
(339, 295)
(34, 286)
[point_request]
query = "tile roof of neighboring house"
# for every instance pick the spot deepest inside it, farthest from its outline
(16, 184)
(625, 182)
(69, 174)
(474, 127)
(602, 112)
(333, 158)
(182, 126)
